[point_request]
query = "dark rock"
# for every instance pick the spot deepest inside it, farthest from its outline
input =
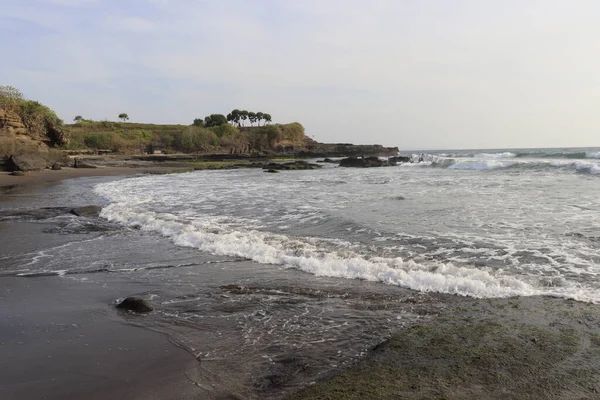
(56, 167)
(318, 150)
(365, 162)
(25, 162)
(17, 173)
(399, 159)
(272, 171)
(80, 164)
(135, 305)
(328, 160)
(293, 165)
(87, 211)
(399, 198)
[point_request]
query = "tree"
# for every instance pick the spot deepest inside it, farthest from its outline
(252, 117)
(243, 116)
(215, 120)
(259, 117)
(267, 117)
(234, 117)
(198, 122)
(78, 119)
(124, 117)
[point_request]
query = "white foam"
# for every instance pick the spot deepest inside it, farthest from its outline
(581, 166)
(495, 155)
(281, 250)
(592, 154)
(134, 205)
(481, 165)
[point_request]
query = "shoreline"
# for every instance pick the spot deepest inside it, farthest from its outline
(32, 180)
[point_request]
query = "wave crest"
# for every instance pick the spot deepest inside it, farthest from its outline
(304, 255)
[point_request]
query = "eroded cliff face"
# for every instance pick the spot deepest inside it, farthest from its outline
(40, 133)
(11, 124)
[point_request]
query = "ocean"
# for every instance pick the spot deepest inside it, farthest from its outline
(261, 273)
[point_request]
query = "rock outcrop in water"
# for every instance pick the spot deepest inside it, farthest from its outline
(317, 150)
(399, 159)
(86, 211)
(365, 162)
(293, 165)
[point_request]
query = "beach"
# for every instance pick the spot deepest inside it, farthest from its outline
(248, 306)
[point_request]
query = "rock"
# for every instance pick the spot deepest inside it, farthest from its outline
(135, 305)
(17, 173)
(25, 162)
(81, 164)
(399, 159)
(272, 171)
(328, 160)
(87, 211)
(293, 165)
(56, 167)
(365, 162)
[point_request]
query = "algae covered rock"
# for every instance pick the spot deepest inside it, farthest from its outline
(136, 305)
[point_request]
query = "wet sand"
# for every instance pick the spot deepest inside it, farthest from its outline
(32, 180)
(62, 340)
(59, 339)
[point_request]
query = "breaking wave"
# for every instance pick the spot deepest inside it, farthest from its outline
(571, 154)
(495, 155)
(305, 255)
(586, 167)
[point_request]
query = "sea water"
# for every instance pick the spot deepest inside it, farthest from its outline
(481, 224)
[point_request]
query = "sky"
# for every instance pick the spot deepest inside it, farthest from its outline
(422, 74)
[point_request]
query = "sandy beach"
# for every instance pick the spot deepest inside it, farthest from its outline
(31, 180)
(61, 340)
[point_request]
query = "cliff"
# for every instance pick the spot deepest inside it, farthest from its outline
(27, 125)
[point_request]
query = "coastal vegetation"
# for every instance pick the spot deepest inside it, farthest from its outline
(204, 135)
(25, 124)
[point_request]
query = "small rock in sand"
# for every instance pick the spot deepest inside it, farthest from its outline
(136, 305)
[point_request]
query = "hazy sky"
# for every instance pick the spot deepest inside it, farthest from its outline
(416, 74)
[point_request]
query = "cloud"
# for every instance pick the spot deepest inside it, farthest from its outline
(129, 24)
(72, 3)
(418, 74)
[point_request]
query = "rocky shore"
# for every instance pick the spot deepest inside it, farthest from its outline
(516, 348)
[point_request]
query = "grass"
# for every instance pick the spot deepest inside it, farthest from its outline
(129, 137)
(283, 159)
(201, 165)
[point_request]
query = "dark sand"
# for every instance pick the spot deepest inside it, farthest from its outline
(63, 340)
(60, 339)
(10, 184)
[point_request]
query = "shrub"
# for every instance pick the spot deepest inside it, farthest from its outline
(195, 139)
(225, 130)
(10, 98)
(293, 132)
